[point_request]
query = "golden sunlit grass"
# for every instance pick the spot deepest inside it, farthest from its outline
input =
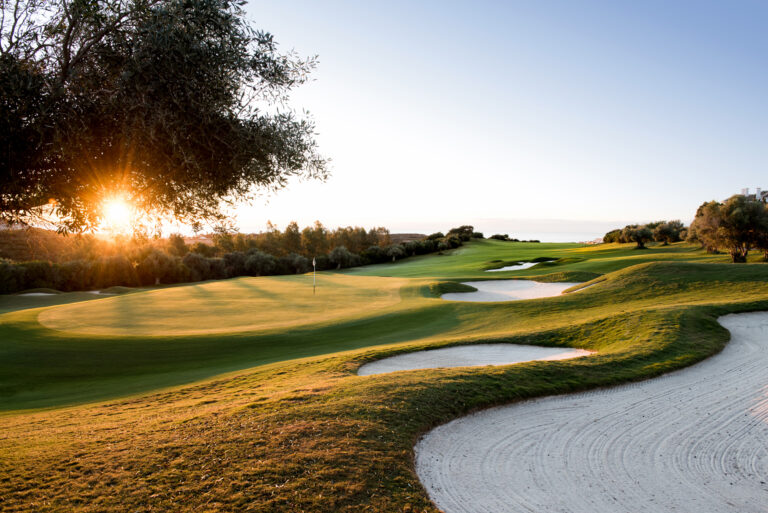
(308, 434)
(230, 306)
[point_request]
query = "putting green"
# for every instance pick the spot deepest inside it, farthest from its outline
(238, 305)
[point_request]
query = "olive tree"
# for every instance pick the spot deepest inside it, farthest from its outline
(395, 251)
(668, 231)
(258, 263)
(178, 105)
(737, 225)
(637, 234)
(341, 256)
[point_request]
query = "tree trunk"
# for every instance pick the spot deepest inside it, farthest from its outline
(739, 255)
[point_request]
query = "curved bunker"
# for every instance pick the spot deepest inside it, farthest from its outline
(515, 267)
(691, 440)
(468, 356)
(508, 290)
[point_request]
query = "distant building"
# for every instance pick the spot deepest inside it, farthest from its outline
(205, 239)
(758, 195)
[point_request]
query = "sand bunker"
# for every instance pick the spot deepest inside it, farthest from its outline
(516, 267)
(508, 290)
(467, 356)
(38, 294)
(693, 440)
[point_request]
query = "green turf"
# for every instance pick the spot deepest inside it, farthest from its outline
(472, 260)
(291, 427)
(308, 434)
(129, 343)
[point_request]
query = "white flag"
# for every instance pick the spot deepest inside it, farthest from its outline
(313, 262)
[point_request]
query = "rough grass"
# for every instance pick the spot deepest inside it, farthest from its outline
(308, 434)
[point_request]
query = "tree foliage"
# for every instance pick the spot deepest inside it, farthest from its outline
(660, 231)
(738, 225)
(667, 232)
(637, 234)
(97, 263)
(178, 104)
(341, 257)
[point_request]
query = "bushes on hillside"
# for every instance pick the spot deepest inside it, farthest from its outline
(342, 257)
(659, 231)
(395, 252)
(143, 263)
(258, 263)
(507, 238)
(198, 265)
(464, 233)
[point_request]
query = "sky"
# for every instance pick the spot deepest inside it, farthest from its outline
(549, 119)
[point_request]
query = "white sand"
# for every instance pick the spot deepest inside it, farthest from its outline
(38, 294)
(467, 356)
(692, 441)
(516, 267)
(508, 290)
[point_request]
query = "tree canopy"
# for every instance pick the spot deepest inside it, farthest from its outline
(738, 225)
(659, 231)
(178, 105)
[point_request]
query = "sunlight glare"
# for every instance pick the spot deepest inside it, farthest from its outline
(117, 215)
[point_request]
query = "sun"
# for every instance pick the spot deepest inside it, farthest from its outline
(117, 214)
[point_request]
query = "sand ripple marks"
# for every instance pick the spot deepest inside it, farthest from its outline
(692, 441)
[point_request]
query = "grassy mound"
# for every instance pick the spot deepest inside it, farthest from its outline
(42, 290)
(304, 432)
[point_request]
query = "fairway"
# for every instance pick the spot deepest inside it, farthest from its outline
(230, 306)
(254, 380)
(472, 260)
(87, 347)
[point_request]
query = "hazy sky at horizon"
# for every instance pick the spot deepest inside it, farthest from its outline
(437, 113)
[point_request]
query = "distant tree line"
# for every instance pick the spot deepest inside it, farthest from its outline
(141, 262)
(505, 237)
(737, 226)
(664, 232)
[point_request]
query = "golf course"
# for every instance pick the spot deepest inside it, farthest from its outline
(243, 394)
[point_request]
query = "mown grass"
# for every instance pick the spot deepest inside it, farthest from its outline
(230, 306)
(129, 343)
(307, 434)
(472, 260)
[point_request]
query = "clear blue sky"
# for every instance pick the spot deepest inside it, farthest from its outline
(503, 114)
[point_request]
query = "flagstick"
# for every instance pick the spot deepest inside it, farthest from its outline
(314, 275)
